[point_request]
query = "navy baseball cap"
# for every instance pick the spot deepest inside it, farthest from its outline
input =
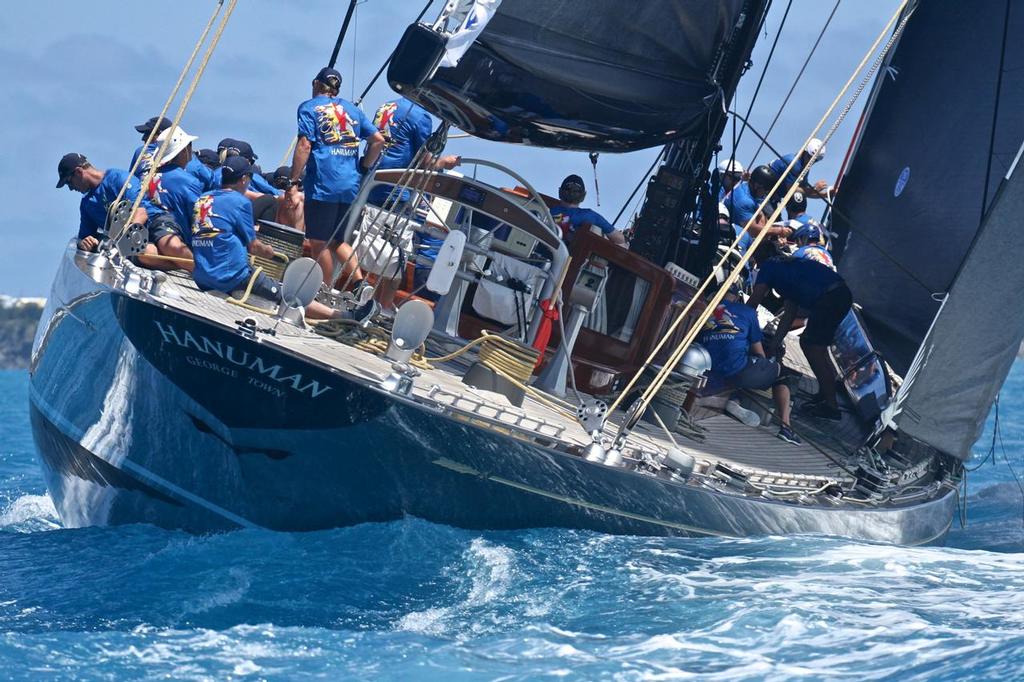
(233, 169)
(227, 143)
(66, 167)
(245, 149)
(329, 76)
(208, 157)
(161, 124)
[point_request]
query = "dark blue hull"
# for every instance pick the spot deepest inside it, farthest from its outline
(144, 414)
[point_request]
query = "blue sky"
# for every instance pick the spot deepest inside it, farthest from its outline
(80, 75)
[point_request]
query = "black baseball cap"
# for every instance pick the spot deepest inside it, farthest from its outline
(573, 180)
(66, 167)
(160, 123)
(208, 157)
(329, 76)
(233, 169)
(284, 172)
(227, 143)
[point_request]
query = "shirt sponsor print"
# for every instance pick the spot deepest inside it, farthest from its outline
(335, 125)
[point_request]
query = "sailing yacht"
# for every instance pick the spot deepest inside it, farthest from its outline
(155, 402)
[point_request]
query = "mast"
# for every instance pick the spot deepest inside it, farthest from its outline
(673, 192)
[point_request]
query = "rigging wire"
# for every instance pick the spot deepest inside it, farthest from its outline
(764, 71)
(799, 75)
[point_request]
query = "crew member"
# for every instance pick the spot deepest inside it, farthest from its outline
(329, 131)
(809, 290)
(570, 217)
(174, 190)
(289, 204)
(746, 197)
(405, 126)
(100, 188)
(209, 158)
(223, 235)
(195, 166)
(732, 336)
(813, 245)
(730, 174)
(814, 151)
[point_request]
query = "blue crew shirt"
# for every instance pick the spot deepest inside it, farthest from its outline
(727, 336)
(405, 127)
(222, 229)
(570, 219)
(797, 279)
(197, 168)
(174, 190)
(742, 204)
(96, 201)
(334, 128)
(779, 166)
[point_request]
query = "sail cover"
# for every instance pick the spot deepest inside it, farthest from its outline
(970, 347)
(947, 119)
(595, 75)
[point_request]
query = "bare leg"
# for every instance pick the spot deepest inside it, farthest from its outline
(385, 292)
(146, 260)
(350, 263)
(324, 258)
(780, 392)
(173, 246)
(318, 311)
(817, 358)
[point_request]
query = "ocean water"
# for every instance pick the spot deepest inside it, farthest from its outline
(414, 600)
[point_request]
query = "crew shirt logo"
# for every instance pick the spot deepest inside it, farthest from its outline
(721, 322)
(154, 189)
(384, 120)
(202, 225)
(335, 125)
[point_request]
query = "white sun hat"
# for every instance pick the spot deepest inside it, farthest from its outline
(730, 166)
(816, 148)
(179, 140)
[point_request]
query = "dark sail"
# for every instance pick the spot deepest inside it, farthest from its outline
(595, 75)
(974, 340)
(946, 122)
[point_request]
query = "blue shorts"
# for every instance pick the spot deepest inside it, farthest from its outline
(324, 220)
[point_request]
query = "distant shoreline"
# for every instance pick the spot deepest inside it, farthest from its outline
(18, 320)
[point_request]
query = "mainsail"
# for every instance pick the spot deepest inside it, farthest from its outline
(973, 341)
(596, 75)
(946, 121)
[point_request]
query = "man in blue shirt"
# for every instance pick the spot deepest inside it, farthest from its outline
(329, 132)
(813, 245)
(568, 215)
(732, 336)
(745, 198)
(173, 190)
(223, 236)
(100, 188)
(812, 291)
(405, 126)
(195, 166)
(814, 151)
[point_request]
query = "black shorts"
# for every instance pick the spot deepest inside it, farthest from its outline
(163, 225)
(826, 316)
(323, 220)
(265, 286)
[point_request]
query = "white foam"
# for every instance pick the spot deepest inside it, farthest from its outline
(29, 513)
